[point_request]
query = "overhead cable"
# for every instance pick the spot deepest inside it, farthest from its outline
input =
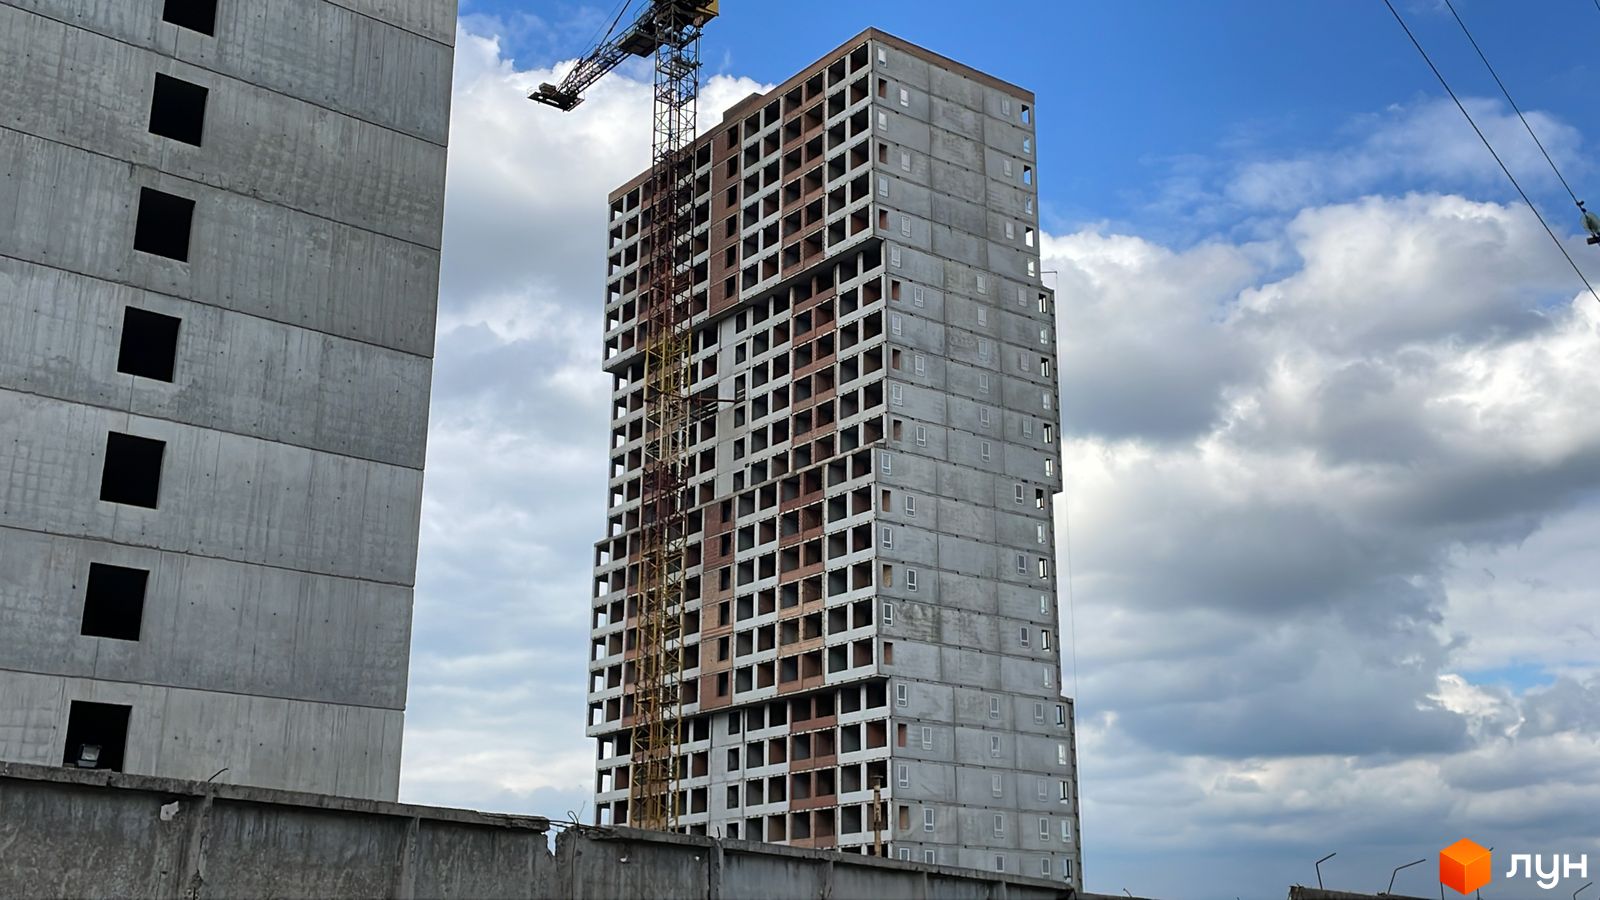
(1439, 75)
(1513, 103)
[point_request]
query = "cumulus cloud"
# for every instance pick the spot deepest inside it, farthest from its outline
(1282, 574)
(1423, 144)
(1427, 141)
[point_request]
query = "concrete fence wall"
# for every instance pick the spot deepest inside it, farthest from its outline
(70, 833)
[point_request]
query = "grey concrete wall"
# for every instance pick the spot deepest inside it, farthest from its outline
(59, 334)
(68, 833)
(280, 632)
(274, 637)
(339, 749)
(962, 231)
(73, 209)
(221, 495)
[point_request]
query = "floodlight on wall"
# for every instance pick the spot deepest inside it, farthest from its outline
(88, 756)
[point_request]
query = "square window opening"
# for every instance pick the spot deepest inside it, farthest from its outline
(113, 602)
(97, 735)
(163, 223)
(178, 109)
(149, 347)
(195, 15)
(132, 473)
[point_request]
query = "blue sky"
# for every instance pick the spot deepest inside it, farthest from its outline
(1126, 89)
(1332, 464)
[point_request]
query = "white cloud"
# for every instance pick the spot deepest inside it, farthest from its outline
(1282, 574)
(1420, 142)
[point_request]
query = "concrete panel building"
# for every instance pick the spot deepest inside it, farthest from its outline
(219, 255)
(871, 585)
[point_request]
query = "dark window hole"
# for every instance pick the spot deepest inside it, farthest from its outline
(113, 604)
(178, 109)
(132, 473)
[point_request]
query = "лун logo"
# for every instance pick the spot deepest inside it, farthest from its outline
(1464, 866)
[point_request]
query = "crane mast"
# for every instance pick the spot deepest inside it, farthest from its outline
(670, 31)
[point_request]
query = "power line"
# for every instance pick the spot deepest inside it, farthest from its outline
(1513, 103)
(1439, 75)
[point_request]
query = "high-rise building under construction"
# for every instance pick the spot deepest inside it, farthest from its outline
(219, 260)
(866, 656)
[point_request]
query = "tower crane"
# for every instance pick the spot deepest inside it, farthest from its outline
(669, 31)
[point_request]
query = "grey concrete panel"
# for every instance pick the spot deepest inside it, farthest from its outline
(342, 855)
(958, 245)
(919, 265)
(957, 87)
(962, 215)
(961, 627)
(60, 333)
(207, 624)
(905, 191)
(1007, 133)
(323, 748)
(220, 495)
(400, 79)
(953, 116)
(255, 142)
(901, 66)
(973, 521)
(75, 210)
(914, 660)
(77, 840)
(959, 182)
(901, 130)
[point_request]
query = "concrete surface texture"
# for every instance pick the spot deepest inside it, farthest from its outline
(873, 590)
(70, 833)
(219, 237)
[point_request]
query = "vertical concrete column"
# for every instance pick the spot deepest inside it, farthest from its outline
(405, 874)
(714, 872)
(194, 858)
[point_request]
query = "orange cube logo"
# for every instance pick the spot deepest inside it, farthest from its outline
(1464, 866)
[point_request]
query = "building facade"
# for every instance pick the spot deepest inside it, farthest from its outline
(219, 255)
(871, 584)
